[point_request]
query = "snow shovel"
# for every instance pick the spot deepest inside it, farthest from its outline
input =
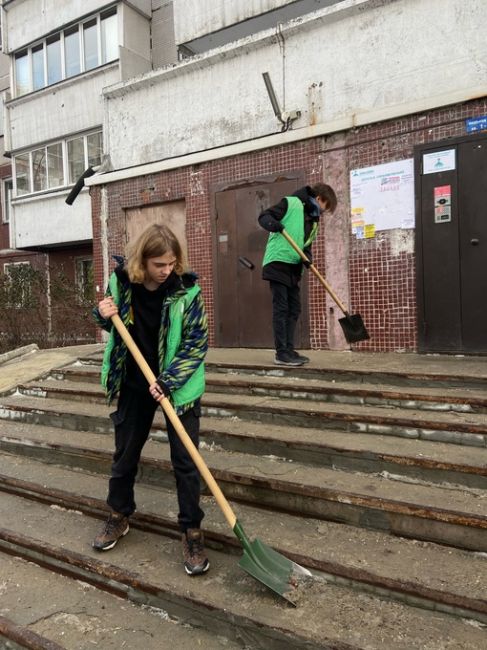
(259, 560)
(352, 324)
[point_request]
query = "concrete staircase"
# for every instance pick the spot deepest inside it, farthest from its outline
(373, 479)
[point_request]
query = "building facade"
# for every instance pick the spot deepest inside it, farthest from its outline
(369, 95)
(58, 57)
(204, 112)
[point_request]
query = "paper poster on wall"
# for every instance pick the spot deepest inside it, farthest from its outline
(382, 198)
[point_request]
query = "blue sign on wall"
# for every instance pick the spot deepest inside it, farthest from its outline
(474, 124)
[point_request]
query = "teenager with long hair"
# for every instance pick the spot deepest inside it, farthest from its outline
(162, 307)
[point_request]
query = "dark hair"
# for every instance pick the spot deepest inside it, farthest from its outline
(326, 193)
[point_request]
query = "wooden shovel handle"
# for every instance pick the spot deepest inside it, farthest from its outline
(316, 272)
(176, 422)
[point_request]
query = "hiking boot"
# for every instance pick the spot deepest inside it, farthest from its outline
(286, 359)
(298, 357)
(194, 554)
(115, 527)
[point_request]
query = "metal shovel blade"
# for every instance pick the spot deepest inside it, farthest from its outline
(353, 328)
(271, 568)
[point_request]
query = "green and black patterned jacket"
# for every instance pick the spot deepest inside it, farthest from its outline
(183, 341)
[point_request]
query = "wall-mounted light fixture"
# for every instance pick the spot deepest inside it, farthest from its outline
(285, 117)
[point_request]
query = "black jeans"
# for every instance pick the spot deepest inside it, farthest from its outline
(133, 420)
(286, 307)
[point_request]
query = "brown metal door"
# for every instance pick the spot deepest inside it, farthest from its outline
(242, 299)
(451, 240)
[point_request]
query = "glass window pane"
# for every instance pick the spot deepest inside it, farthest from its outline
(55, 165)
(71, 51)
(39, 175)
(22, 77)
(76, 159)
(84, 279)
(54, 70)
(109, 40)
(91, 44)
(22, 174)
(38, 80)
(95, 148)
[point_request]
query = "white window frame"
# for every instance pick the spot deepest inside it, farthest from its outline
(78, 279)
(64, 148)
(43, 42)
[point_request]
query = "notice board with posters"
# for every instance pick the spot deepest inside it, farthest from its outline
(382, 197)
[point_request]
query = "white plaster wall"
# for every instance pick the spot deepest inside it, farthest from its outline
(50, 15)
(56, 111)
(358, 62)
(195, 18)
(135, 54)
(135, 30)
(48, 220)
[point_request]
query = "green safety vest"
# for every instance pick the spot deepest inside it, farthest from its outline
(194, 388)
(278, 249)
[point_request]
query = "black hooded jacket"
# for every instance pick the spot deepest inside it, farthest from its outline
(288, 274)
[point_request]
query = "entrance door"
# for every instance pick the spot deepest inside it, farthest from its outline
(243, 311)
(452, 246)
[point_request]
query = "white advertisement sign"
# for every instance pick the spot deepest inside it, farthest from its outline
(382, 198)
(439, 161)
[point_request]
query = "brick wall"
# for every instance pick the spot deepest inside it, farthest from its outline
(381, 275)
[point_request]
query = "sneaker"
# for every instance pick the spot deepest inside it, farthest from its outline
(194, 554)
(298, 357)
(285, 359)
(115, 527)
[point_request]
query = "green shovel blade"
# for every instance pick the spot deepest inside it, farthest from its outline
(270, 567)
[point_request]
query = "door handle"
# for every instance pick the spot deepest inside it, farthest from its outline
(246, 262)
(474, 242)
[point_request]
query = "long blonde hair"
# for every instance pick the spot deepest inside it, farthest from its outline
(154, 241)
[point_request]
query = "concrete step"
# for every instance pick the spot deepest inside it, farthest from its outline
(373, 370)
(393, 369)
(424, 574)
(449, 515)
(70, 613)
(424, 398)
(146, 568)
(462, 400)
(457, 428)
(411, 459)
(417, 460)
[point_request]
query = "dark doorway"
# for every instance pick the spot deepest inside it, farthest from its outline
(243, 315)
(451, 236)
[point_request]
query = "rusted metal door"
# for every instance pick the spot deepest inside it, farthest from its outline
(243, 311)
(452, 246)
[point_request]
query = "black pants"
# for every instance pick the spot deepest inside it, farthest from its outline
(133, 420)
(286, 307)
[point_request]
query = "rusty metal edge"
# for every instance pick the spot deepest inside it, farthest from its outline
(107, 576)
(353, 417)
(25, 637)
(383, 420)
(161, 526)
(248, 384)
(396, 507)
